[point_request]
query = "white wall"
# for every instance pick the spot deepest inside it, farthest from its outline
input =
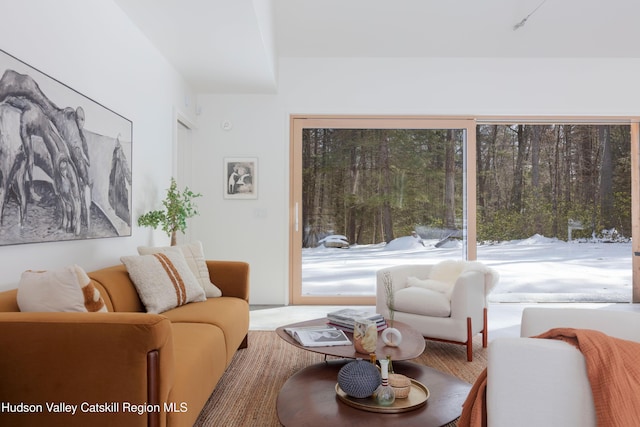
(257, 230)
(92, 47)
(247, 230)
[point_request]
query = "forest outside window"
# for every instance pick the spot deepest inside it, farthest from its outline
(535, 179)
(391, 184)
(545, 203)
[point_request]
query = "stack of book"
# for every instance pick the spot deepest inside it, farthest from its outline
(344, 319)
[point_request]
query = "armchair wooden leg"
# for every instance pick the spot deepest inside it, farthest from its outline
(469, 341)
(485, 329)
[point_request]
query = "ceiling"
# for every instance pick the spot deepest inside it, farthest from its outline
(233, 46)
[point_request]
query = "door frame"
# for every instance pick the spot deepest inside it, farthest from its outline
(300, 122)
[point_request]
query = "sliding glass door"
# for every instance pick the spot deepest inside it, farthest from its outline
(372, 192)
(554, 210)
(554, 200)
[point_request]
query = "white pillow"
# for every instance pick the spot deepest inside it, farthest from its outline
(163, 280)
(422, 301)
(66, 289)
(434, 285)
(194, 255)
(447, 271)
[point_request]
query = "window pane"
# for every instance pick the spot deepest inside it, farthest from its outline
(554, 211)
(377, 197)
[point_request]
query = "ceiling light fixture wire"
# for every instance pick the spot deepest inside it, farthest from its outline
(524, 21)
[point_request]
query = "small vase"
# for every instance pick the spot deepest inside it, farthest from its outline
(365, 336)
(385, 395)
(391, 337)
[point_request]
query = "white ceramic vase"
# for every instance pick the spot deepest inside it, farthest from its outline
(391, 337)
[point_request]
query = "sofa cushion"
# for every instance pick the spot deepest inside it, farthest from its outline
(434, 285)
(194, 255)
(163, 280)
(422, 301)
(117, 289)
(65, 289)
(228, 313)
(9, 301)
(199, 354)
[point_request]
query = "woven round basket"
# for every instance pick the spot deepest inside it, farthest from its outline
(401, 385)
(401, 392)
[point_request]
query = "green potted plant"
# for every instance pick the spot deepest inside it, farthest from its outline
(178, 207)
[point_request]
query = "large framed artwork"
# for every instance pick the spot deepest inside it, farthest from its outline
(240, 178)
(65, 161)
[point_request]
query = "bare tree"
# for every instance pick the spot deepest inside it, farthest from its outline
(606, 177)
(385, 186)
(518, 178)
(449, 181)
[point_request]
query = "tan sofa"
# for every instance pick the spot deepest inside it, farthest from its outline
(125, 367)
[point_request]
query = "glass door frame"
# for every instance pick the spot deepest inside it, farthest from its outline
(635, 211)
(299, 122)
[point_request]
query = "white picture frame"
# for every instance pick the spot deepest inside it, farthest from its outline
(240, 181)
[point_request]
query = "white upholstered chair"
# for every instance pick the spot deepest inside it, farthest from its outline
(444, 302)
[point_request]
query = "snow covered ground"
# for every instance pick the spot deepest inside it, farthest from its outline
(536, 269)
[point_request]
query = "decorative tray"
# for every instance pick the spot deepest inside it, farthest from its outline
(418, 396)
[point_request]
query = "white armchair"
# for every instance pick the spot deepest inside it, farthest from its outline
(539, 382)
(444, 302)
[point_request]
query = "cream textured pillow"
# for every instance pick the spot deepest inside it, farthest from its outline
(67, 289)
(422, 301)
(194, 255)
(447, 271)
(163, 280)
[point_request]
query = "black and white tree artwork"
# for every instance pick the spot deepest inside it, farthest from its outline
(65, 161)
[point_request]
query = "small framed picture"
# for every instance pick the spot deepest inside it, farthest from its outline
(240, 178)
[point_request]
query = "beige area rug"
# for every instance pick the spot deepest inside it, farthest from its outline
(246, 394)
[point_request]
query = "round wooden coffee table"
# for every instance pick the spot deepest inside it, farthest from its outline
(412, 344)
(308, 398)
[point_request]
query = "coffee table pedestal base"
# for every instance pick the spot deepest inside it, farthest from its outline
(309, 399)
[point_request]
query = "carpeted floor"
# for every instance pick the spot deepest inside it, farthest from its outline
(246, 394)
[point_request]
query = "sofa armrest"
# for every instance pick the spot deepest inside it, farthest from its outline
(232, 277)
(467, 297)
(85, 358)
(537, 382)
